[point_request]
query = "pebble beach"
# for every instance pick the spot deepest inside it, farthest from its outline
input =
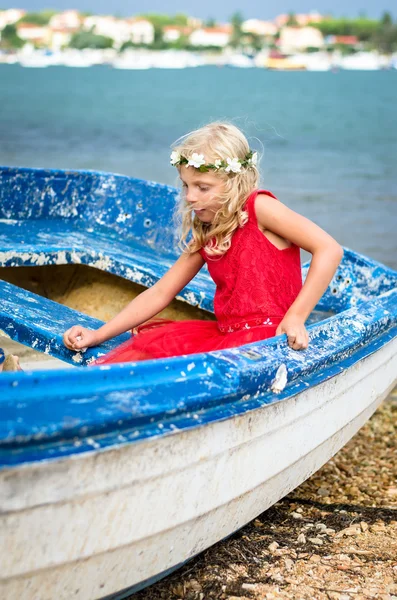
(333, 538)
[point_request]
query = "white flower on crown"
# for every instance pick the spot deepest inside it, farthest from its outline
(196, 160)
(175, 157)
(254, 159)
(233, 164)
(218, 163)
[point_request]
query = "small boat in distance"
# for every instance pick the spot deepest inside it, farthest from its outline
(114, 476)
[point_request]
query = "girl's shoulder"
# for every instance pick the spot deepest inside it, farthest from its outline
(250, 203)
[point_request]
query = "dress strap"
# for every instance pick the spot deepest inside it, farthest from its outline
(250, 204)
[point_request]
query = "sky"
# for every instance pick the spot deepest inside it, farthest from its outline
(220, 10)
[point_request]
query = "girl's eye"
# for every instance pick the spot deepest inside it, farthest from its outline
(202, 189)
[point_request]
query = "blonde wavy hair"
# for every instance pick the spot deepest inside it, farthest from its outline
(217, 140)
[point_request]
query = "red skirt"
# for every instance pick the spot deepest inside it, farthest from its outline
(161, 338)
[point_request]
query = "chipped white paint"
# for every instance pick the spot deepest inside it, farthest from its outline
(190, 366)
(190, 297)
(280, 380)
(103, 263)
(78, 357)
(123, 217)
(88, 527)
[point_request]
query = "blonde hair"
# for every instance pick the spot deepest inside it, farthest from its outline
(217, 140)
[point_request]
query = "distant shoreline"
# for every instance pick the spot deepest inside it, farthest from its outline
(178, 59)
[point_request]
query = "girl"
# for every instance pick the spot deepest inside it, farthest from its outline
(250, 242)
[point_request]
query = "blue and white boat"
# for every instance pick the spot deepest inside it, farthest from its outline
(111, 477)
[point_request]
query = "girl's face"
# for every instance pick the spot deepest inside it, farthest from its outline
(202, 191)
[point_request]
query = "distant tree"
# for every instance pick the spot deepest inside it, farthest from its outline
(39, 18)
(159, 20)
(10, 39)
(386, 20)
(158, 40)
(385, 38)
(254, 41)
(87, 39)
(210, 22)
(363, 28)
(291, 22)
(180, 19)
(237, 33)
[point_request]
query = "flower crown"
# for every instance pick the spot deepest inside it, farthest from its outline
(197, 161)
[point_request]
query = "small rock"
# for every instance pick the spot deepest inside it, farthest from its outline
(299, 510)
(194, 585)
(301, 539)
(288, 564)
(352, 530)
(321, 526)
(315, 558)
(364, 526)
(249, 586)
(316, 541)
(322, 491)
(329, 531)
(273, 546)
(297, 515)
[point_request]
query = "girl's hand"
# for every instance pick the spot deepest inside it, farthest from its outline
(78, 337)
(298, 338)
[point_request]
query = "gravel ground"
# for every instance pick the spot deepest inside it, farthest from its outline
(333, 538)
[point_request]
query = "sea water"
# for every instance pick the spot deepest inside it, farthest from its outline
(328, 140)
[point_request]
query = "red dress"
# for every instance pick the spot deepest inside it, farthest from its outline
(256, 283)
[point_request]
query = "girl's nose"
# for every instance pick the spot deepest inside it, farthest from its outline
(190, 197)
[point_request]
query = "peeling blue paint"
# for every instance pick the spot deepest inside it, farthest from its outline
(122, 225)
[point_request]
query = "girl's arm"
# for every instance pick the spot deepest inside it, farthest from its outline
(327, 254)
(143, 307)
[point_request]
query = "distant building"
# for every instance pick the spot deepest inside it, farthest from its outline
(301, 19)
(11, 16)
(346, 40)
(295, 39)
(171, 33)
(138, 31)
(194, 22)
(141, 30)
(35, 34)
(263, 28)
(212, 36)
(108, 26)
(69, 19)
(60, 38)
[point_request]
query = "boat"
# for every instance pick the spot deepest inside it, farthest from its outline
(114, 476)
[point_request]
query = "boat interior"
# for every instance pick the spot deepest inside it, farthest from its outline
(76, 247)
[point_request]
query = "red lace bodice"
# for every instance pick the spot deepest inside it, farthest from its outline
(255, 281)
(255, 285)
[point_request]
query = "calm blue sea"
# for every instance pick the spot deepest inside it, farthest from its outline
(329, 140)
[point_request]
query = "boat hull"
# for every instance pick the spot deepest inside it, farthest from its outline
(97, 523)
